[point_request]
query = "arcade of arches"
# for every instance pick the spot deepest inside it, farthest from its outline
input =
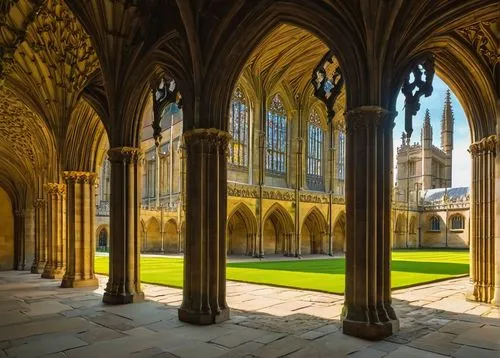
(310, 83)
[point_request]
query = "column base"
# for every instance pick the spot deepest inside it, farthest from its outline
(203, 318)
(21, 267)
(368, 330)
(53, 273)
(122, 298)
(68, 282)
(481, 293)
(38, 267)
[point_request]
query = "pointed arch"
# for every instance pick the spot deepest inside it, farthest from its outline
(171, 236)
(277, 226)
(312, 232)
(339, 234)
(241, 230)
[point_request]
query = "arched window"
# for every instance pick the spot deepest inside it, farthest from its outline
(238, 127)
(457, 222)
(276, 137)
(341, 156)
(435, 223)
(103, 239)
(314, 152)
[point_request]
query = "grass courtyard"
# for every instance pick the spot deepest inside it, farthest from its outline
(409, 267)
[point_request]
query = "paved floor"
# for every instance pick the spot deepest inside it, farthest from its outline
(37, 318)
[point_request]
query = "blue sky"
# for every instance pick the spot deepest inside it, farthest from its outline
(461, 166)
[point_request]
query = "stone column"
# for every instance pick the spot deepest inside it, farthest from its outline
(124, 284)
(204, 294)
(40, 236)
(19, 239)
(482, 218)
(56, 231)
(368, 312)
(39, 258)
(80, 208)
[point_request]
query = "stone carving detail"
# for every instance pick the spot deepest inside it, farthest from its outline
(279, 194)
(55, 188)
(241, 190)
(16, 126)
(38, 203)
(369, 116)
(211, 137)
(481, 38)
(485, 145)
(314, 198)
(417, 88)
(19, 213)
(80, 177)
(125, 154)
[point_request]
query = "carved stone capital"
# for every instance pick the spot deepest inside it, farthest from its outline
(19, 213)
(125, 154)
(38, 203)
(485, 145)
(80, 177)
(212, 136)
(370, 117)
(55, 188)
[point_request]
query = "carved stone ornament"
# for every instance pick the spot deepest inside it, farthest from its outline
(369, 117)
(314, 198)
(164, 92)
(485, 145)
(279, 194)
(38, 203)
(55, 188)
(125, 154)
(327, 81)
(19, 213)
(481, 38)
(416, 87)
(210, 136)
(242, 190)
(80, 177)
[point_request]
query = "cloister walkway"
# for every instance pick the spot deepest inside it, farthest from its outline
(37, 318)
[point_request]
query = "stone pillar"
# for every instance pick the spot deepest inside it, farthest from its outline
(19, 239)
(56, 231)
(368, 312)
(482, 218)
(40, 236)
(124, 284)
(38, 259)
(204, 294)
(80, 208)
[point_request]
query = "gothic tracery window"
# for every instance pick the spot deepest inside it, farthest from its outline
(276, 137)
(314, 152)
(435, 223)
(457, 222)
(238, 127)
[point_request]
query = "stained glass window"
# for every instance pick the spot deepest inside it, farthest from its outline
(314, 152)
(238, 127)
(276, 137)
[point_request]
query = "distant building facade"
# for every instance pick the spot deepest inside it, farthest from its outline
(427, 211)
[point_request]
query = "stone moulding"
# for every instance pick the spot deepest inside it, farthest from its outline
(55, 188)
(125, 154)
(80, 177)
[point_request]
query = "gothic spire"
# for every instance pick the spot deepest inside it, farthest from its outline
(447, 123)
(426, 136)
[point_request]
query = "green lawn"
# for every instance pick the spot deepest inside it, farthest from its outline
(409, 267)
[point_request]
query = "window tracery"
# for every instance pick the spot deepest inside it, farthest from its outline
(315, 137)
(435, 223)
(457, 222)
(276, 137)
(238, 127)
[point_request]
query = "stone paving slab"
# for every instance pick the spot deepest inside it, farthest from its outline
(37, 318)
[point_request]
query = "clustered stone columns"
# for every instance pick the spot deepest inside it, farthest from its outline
(482, 219)
(20, 240)
(124, 285)
(40, 257)
(204, 295)
(56, 230)
(368, 312)
(80, 223)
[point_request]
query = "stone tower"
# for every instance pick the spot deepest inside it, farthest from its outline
(426, 140)
(447, 122)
